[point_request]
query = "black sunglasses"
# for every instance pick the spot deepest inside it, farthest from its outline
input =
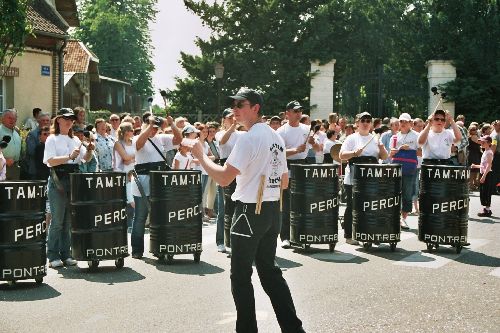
(438, 119)
(365, 120)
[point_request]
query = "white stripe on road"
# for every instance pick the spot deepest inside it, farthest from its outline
(495, 272)
(440, 257)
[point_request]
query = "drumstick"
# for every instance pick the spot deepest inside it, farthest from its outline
(373, 136)
(260, 193)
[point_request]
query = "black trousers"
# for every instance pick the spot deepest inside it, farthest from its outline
(486, 189)
(253, 239)
(348, 212)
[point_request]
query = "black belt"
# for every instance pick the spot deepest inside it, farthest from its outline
(63, 170)
(437, 161)
(145, 168)
(222, 161)
(363, 160)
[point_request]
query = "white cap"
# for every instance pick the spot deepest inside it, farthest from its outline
(405, 117)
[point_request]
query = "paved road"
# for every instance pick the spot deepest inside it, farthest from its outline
(351, 290)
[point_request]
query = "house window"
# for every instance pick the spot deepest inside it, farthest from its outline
(2, 94)
(120, 96)
(110, 98)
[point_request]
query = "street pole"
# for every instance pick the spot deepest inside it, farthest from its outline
(219, 74)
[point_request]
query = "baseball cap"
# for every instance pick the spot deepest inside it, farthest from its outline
(67, 113)
(486, 138)
(227, 113)
(364, 115)
(276, 118)
(190, 129)
(77, 129)
(251, 95)
(293, 105)
(5, 141)
(405, 117)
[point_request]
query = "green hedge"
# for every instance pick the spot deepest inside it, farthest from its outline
(93, 115)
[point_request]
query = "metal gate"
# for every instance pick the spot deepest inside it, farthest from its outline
(381, 92)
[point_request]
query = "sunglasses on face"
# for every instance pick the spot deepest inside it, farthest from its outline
(68, 118)
(114, 119)
(365, 120)
(45, 134)
(240, 105)
(439, 119)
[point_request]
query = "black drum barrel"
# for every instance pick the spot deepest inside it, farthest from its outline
(98, 216)
(176, 212)
(23, 230)
(314, 204)
(444, 204)
(229, 206)
(376, 203)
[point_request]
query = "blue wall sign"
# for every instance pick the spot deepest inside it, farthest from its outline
(45, 70)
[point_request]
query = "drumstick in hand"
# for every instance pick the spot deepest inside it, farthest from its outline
(260, 194)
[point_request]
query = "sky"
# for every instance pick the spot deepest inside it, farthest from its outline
(175, 30)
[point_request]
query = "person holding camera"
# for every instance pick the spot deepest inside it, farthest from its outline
(436, 141)
(148, 157)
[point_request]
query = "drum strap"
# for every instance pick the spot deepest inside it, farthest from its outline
(158, 150)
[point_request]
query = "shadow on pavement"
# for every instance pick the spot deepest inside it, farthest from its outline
(105, 274)
(26, 291)
(185, 266)
(285, 263)
(335, 257)
(478, 259)
(488, 220)
(384, 251)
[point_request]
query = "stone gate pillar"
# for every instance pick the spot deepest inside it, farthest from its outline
(440, 72)
(321, 98)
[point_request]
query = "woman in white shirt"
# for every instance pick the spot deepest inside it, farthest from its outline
(436, 140)
(124, 161)
(360, 147)
(62, 155)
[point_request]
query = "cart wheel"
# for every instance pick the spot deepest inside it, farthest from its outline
(161, 259)
(307, 246)
(458, 248)
(436, 246)
(93, 264)
(197, 257)
(170, 259)
(430, 247)
(331, 247)
(11, 283)
(393, 247)
(119, 263)
(39, 280)
(367, 245)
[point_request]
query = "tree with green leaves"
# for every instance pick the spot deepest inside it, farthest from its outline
(117, 31)
(268, 44)
(14, 28)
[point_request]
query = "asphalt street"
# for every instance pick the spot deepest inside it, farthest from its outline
(350, 290)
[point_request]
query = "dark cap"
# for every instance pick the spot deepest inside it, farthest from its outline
(77, 129)
(251, 95)
(67, 113)
(227, 113)
(363, 115)
(486, 138)
(294, 105)
(4, 142)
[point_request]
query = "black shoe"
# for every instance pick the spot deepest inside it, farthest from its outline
(484, 213)
(137, 255)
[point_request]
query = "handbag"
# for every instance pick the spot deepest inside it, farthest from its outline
(408, 160)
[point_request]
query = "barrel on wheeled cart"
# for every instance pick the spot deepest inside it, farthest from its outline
(23, 231)
(376, 204)
(98, 217)
(444, 206)
(314, 205)
(176, 214)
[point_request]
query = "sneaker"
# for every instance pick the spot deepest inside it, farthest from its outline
(351, 241)
(484, 213)
(285, 244)
(137, 255)
(70, 262)
(56, 263)
(404, 225)
(221, 248)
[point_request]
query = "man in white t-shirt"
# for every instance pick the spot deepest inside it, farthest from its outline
(148, 157)
(436, 141)
(258, 163)
(296, 137)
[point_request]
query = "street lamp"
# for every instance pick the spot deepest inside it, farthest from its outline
(219, 74)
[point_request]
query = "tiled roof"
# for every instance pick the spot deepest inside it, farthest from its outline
(42, 24)
(77, 57)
